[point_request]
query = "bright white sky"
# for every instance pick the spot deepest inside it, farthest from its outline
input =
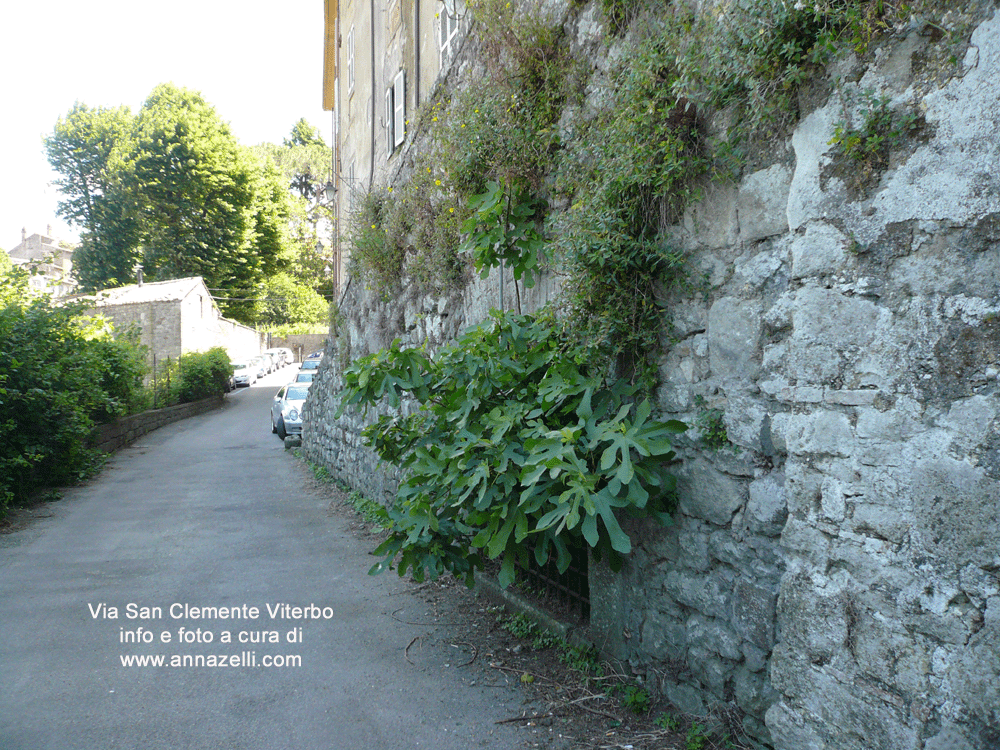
(260, 64)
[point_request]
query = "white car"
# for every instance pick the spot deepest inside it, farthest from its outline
(244, 373)
(281, 356)
(286, 409)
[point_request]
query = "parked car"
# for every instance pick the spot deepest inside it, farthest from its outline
(244, 373)
(305, 377)
(282, 357)
(309, 364)
(286, 409)
(262, 365)
(316, 355)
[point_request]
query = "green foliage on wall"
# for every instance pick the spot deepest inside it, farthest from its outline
(517, 442)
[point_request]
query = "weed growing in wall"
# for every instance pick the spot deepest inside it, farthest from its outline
(869, 130)
(627, 176)
(377, 249)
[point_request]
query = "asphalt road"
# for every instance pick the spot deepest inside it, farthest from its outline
(211, 512)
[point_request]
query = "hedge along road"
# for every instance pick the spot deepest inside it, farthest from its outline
(200, 516)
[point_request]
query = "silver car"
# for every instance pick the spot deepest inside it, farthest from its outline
(286, 409)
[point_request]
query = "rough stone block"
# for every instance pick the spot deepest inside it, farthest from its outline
(790, 731)
(712, 671)
(948, 738)
(688, 699)
(822, 432)
(957, 512)
(711, 635)
(709, 594)
(734, 329)
(821, 250)
(815, 614)
(763, 203)
(708, 494)
(767, 508)
(712, 221)
(824, 316)
(975, 675)
(753, 692)
(754, 612)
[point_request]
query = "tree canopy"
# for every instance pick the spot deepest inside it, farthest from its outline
(171, 188)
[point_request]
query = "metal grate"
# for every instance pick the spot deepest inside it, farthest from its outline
(565, 594)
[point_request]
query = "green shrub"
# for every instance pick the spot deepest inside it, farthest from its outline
(519, 447)
(61, 375)
(203, 374)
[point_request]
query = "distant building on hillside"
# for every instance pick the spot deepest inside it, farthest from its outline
(175, 317)
(49, 260)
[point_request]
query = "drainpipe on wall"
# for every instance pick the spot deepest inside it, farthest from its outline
(371, 171)
(416, 53)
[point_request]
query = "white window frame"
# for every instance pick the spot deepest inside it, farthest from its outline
(350, 60)
(448, 22)
(399, 109)
(390, 136)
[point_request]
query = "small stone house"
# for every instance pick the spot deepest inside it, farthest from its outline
(176, 317)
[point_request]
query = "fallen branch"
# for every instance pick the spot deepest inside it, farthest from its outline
(406, 651)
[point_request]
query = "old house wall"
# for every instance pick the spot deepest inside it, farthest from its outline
(832, 578)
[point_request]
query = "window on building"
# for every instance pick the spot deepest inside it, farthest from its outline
(399, 108)
(350, 60)
(395, 113)
(390, 136)
(448, 27)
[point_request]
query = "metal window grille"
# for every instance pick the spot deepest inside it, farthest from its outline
(564, 594)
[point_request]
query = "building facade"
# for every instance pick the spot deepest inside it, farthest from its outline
(49, 260)
(176, 317)
(382, 60)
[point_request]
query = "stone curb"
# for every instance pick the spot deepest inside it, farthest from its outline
(489, 588)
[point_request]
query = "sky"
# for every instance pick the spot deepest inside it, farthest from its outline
(260, 64)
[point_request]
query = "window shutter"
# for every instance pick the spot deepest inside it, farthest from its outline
(399, 108)
(390, 138)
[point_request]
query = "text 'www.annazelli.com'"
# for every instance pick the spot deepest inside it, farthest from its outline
(244, 659)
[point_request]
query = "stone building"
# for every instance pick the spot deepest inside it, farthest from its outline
(49, 259)
(176, 317)
(381, 62)
(832, 575)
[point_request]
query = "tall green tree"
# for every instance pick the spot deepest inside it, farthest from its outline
(304, 163)
(91, 149)
(173, 189)
(304, 134)
(210, 208)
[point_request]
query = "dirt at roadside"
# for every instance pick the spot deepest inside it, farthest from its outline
(563, 708)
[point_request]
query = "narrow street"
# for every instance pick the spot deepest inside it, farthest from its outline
(198, 530)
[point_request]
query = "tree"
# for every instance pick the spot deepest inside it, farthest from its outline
(90, 149)
(290, 301)
(304, 134)
(302, 167)
(207, 207)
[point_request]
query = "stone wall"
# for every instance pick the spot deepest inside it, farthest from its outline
(832, 578)
(114, 435)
